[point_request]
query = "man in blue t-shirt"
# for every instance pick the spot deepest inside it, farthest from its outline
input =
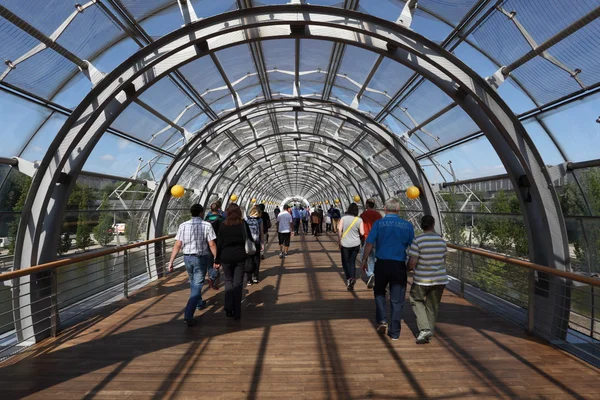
(391, 236)
(296, 219)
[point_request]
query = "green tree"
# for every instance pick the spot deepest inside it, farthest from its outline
(103, 232)
(132, 228)
(453, 222)
(83, 236)
(502, 227)
(574, 203)
(17, 196)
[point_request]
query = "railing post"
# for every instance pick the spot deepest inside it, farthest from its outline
(126, 274)
(164, 257)
(531, 303)
(461, 266)
(54, 320)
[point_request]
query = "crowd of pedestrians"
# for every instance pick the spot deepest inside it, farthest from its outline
(387, 246)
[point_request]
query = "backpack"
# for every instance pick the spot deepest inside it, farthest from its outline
(315, 218)
(266, 221)
(215, 222)
(254, 224)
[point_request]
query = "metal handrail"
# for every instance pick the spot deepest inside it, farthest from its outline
(72, 260)
(528, 264)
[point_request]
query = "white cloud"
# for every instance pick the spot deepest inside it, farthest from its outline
(37, 149)
(122, 143)
(107, 157)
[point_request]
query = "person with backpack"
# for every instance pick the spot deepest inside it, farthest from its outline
(315, 221)
(215, 218)
(350, 230)
(266, 219)
(255, 224)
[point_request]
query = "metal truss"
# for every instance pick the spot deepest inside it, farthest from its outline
(54, 180)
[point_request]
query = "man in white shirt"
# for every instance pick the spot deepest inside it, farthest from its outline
(197, 240)
(284, 229)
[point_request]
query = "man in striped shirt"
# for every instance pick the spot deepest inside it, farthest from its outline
(427, 256)
(196, 238)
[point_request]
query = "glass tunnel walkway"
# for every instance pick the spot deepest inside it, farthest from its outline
(117, 115)
(302, 335)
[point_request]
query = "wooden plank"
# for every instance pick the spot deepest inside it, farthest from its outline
(302, 336)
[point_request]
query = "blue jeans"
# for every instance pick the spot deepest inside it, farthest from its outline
(370, 261)
(196, 267)
(349, 261)
(394, 273)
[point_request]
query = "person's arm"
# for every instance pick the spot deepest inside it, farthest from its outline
(262, 235)
(213, 249)
(361, 228)
(292, 226)
(176, 250)
(369, 245)
(340, 228)
(413, 254)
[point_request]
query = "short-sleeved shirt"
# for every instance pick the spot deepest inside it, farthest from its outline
(283, 222)
(430, 249)
(195, 235)
(296, 212)
(352, 237)
(391, 236)
(369, 217)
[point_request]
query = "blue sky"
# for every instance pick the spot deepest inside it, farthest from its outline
(574, 126)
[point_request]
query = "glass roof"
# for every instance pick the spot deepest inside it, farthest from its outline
(40, 85)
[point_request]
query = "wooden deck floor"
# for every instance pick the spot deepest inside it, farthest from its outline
(302, 336)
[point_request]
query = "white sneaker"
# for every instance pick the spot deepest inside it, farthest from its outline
(371, 282)
(424, 337)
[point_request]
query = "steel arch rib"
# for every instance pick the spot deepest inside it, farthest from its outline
(327, 172)
(45, 205)
(265, 140)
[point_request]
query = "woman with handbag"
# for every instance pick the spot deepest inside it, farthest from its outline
(255, 223)
(350, 230)
(232, 249)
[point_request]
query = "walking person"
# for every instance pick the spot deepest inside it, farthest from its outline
(350, 230)
(196, 238)
(284, 231)
(321, 214)
(255, 223)
(215, 217)
(391, 236)
(315, 222)
(335, 219)
(369, 216)
(327, 223)
(231, 254)
(304, 217)
(296, 218)
(266, 219)
(427, 256)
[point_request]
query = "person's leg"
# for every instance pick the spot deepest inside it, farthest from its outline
(345, 254)
(192, 266)
(397, 295)
(256, 265)
(417, 300)
(228, 271)
(352, 262)
(434, 297)
(379, 293)
(238, 281)
(286, 243)
(281, 241)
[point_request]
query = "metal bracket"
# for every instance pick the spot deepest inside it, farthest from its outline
(92, 73)
(408, 12)
(557, 172)
(27, 167)
(187, 11)
(188, 136)
(151, 185)
(497, 79)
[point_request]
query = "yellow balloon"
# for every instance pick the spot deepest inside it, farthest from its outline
(337, 201)
(233, 197)
(326, 201)
(413, 192)
(254, 200)
(356, 198)
(177, 191)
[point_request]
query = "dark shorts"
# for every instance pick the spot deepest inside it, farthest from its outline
(284, 238)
